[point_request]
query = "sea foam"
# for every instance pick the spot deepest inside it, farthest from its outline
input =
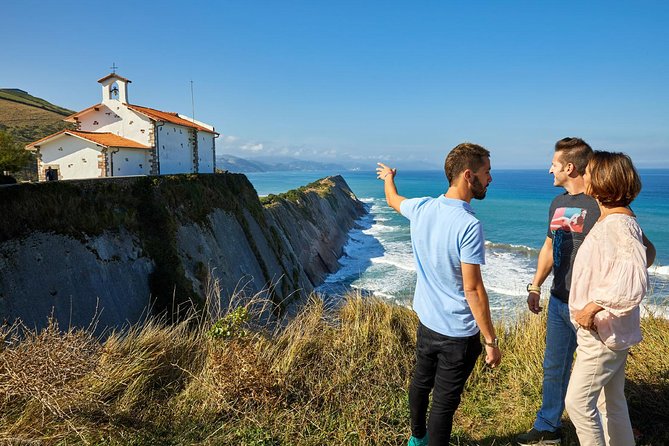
(378, 259)
(659, 270)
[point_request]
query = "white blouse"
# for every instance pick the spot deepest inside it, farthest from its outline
(610, 270)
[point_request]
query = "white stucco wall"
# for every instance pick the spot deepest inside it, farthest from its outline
(74, 157)
(129, 162)
(205, 150)
(174, 149)
(116, 118)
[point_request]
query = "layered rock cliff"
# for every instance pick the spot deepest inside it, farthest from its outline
(123, 248)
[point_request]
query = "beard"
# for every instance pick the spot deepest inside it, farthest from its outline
(478, 189)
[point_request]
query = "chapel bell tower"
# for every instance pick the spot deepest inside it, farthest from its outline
(114, 88)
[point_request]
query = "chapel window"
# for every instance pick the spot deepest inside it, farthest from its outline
(113, 91)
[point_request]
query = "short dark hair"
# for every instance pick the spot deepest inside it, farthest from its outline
(613, 179)
(575, 151)
(464, 156)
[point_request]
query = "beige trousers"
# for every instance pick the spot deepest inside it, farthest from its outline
(595, 397)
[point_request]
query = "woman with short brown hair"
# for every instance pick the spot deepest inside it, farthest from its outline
(610, 279)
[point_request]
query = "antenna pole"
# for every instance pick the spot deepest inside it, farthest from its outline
(192, 99)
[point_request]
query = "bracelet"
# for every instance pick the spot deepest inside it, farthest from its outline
(494, 343)
(533, 288)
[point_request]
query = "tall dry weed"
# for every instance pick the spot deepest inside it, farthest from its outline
(327, 376)
(40, 374)
(148, 363)
(647, 385)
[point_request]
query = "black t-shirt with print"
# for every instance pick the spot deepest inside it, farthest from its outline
(570, 218)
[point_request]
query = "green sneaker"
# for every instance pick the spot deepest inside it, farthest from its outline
(413, 441)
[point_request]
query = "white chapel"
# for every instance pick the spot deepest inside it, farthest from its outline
(116, 138)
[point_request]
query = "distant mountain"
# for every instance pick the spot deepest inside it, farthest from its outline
(29, 118)
(237, 164)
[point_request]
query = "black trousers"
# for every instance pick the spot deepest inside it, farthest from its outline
(443, 364)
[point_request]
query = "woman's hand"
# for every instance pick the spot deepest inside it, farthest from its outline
(585, 317)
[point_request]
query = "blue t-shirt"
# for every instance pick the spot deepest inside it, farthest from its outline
(444, 233)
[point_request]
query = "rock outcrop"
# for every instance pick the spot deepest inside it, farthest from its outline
(119, 249)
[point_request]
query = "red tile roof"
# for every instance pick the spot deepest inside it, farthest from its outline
(151, 113)
(174, 118)
(73, 117)
(105, 139)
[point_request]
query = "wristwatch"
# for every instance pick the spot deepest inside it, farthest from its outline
(494, 343)
(533, 288)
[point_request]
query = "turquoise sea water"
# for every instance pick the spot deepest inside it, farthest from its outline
(514, 214)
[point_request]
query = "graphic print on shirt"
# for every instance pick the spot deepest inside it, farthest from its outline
(568, 219)
(565, 220)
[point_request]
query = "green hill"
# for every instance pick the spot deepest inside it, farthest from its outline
(22, 97)
(29, 118)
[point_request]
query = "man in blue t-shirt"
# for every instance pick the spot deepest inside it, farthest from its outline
(450, 299)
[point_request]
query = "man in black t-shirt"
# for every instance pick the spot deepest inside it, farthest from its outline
(571, 216)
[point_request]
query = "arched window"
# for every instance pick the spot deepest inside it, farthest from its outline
(113, 91)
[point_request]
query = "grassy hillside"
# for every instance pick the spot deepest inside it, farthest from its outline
(28, 122)
(328, 377)
(28, 119)
(23, 97)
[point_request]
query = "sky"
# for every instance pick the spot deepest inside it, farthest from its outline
(356, 82)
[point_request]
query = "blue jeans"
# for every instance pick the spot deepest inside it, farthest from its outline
(558, 358)
(443, 364)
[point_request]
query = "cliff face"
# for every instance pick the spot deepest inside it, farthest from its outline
(322, 211)
(122, 248)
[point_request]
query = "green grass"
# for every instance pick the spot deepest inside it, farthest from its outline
(322, 187)
(27, 99)
(327, 377)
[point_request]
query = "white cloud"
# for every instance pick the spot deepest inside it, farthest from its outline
(238, 146)
(252, 147)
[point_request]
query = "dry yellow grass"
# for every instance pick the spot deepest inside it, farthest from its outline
(336, 377)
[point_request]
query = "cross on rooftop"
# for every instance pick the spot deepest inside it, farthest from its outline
(113, 67)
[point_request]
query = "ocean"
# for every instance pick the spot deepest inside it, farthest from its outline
(378, 258)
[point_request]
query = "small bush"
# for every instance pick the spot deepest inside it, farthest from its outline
(232, 325)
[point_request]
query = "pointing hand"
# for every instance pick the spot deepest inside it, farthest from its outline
(383, 171)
